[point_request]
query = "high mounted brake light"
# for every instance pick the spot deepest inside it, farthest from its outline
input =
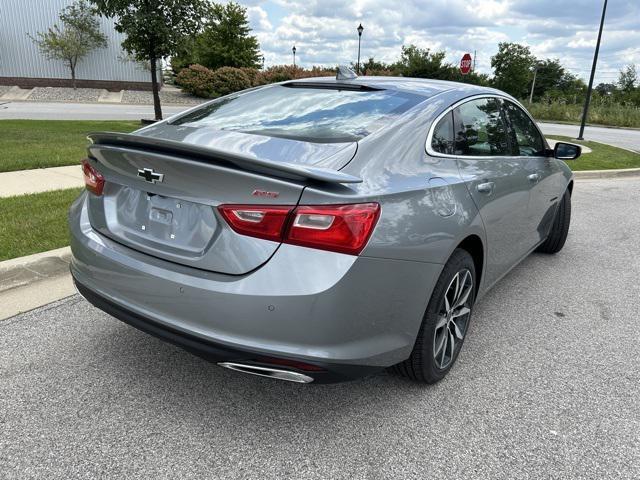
(337, 228)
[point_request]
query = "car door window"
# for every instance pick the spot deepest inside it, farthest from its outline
(525, 136)
(480, 129)
(442, 140)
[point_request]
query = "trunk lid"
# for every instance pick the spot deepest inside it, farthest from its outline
(162, 189)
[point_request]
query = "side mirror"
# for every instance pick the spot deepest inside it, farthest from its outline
(566, 151)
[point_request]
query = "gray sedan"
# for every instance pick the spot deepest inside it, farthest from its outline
(322, 229)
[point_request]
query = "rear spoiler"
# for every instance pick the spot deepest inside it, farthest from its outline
(213, 155)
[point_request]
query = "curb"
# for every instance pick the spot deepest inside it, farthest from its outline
(22, 271)
(620, 173)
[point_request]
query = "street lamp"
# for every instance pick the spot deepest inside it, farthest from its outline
(360, 30)
(593, 72)
(294, 56)
(263, 62)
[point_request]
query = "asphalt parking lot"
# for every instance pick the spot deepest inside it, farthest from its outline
(547, 386)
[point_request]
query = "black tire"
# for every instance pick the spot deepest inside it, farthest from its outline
(560, 228)
(422, 365)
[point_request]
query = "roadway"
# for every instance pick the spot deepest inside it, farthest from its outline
(546, 386)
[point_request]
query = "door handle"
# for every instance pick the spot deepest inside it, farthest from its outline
(534, 177)
(486, 187)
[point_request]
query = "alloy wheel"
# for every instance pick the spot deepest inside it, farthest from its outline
(453, 318)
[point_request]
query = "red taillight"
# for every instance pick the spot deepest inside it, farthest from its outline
(257, 221)
(93, 179)
(338, 228)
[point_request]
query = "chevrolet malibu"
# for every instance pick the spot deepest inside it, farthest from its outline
(322, 229)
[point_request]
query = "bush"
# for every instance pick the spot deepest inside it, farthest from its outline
(226, 80)
(205, 83)
(202, 82)
(255, 76)
(197, 80)
(278, 73)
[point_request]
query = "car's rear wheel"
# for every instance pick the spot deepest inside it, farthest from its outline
(445, 322)
(560, 228)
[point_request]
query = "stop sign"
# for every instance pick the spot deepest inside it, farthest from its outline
(465, 64)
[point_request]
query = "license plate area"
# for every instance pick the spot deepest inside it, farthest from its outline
(160, 224)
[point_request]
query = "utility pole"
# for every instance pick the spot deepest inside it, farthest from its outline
(587, 100)
(474, 62)
(360, 30)
(533, 85)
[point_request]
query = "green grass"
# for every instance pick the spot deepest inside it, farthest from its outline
(27, 144)
(603, 157)
(611, 115)
(34, 223)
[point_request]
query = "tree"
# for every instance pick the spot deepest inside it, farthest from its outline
(225, 41)
(418, 62)
(605, 88)
(512, 67)
(79, 35)
(628, 78)
(154, 30)
(371, 65)
(549, 77)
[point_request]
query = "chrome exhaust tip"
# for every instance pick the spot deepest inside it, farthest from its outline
(276, 373)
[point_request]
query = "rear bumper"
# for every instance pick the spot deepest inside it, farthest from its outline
(214, 352)
(349, 315)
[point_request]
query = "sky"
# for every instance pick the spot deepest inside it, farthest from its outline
(324, 31)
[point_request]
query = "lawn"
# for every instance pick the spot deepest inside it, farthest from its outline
(27, 144)
(614, 115)
(603, 157)
(34, 223)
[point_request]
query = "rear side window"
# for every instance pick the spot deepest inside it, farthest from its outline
(525, 137)
(442, 140)
(312, 114)
(480, 129)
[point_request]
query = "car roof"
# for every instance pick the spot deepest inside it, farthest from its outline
(421, 86)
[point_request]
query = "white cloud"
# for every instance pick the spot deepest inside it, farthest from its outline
(324, 31)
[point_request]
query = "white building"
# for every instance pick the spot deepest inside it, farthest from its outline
(22, 64)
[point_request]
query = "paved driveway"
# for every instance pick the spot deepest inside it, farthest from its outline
(81, 111)
(620, 137)
(547, 386)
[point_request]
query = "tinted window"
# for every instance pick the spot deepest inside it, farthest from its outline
(525, 137)
(442, 140)
(480, 129)
(309, 114)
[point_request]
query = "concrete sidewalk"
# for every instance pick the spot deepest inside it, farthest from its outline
(35, 280)
(40, 180)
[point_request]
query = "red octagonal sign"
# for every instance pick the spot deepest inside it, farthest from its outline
(465, 64)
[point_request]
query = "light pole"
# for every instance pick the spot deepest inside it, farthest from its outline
(593, 73)
(262, 62)
(294, 56)
(533, 85)
(360, 30)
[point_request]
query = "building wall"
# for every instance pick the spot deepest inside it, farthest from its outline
(21, 59)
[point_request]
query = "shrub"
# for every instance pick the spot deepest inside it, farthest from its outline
(255, 76)
(385, 72)
(197, 80)
(278, 73)
(226, 80)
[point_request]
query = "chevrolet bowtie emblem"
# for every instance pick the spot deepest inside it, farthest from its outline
(150, 176)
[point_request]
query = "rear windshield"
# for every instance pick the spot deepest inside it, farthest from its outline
(309, 114)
